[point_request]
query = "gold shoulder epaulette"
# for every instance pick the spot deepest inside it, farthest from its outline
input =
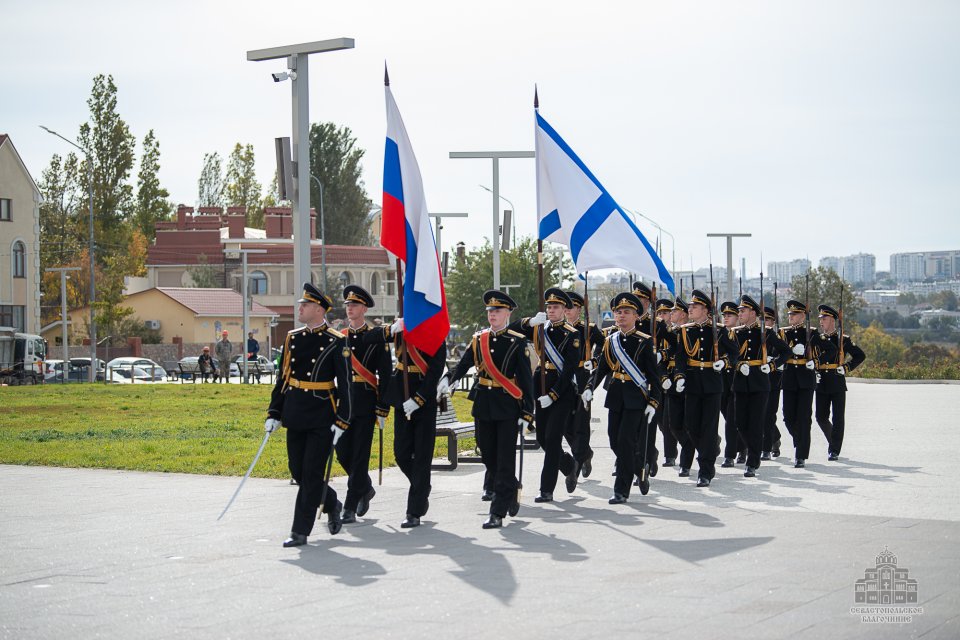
(515, 334)
(569, 327)
(297, 330)
(687, 325)
(642, 334)
(334, 332)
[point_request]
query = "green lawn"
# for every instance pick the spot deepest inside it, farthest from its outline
(185, 428)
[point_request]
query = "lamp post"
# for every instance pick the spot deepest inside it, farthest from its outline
(93, 289)
(513, 218)
(246, 314)
(729, 237)
(323, 234)
(437, 217)
(63, 317)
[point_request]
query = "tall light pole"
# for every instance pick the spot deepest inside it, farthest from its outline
(513, 216)
(93, 288)
(246, 313)
(437, 217)
(495, 156)
(729, 237)
(63, 317)
(323, 236)
(296, 56)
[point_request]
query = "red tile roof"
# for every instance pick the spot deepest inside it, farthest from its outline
(213, 302)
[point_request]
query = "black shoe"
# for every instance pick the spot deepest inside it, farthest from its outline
(727, 463)
(544, 497)
(750, 473)
(487, 495)
(800, 464)
(410, 522)
(669, 462)
(741, 458)
(765, 456)
(654, 467)
(295, 540)
(514, 508)
(493, 522)
(703, 482)
(587, 467)
(571, 481)
(776, 449)
(364, 505)
(684, 472)
(334, 521)
(617, 499)
(349, 517)
(833, 457)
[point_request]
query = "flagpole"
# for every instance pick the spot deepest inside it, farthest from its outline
(540, 307)
(399, 340)
(586, 308)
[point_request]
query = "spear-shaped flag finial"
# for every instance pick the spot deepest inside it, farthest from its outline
(386, 76)
(536, 99)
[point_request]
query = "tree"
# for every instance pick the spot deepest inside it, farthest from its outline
(110, 312)
(210, 191)
(203, 275)
(825, 286)
(242, 188)
(335, 161)
(108, 139)
(62, 229)
(468, 280)
(946, 300)
(152, 203)
(880, 346)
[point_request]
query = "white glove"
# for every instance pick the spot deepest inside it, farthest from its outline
(409, 406)
(781, 367)
(337, 432)
(650, 412)
(397, 326)
(719, 365)
(271, 425)
(666, 384)
(442, 387)
(810, 365)
(681, 384)
(818, 378)
(764, 368)
(659, 357)
(799, 349)
(841, 370)
(769, 358)
(382, 422)
(545, 401)
(586, 396)
(745, 369)
(588, 366)
(537, 320)
(523, 424)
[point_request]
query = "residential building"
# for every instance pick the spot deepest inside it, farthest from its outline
(19, 242)
(785, 271)
(919, 265)
(860, 268)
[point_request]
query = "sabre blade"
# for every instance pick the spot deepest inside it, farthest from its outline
(247, 475)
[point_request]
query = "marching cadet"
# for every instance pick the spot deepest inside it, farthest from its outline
(312, 400)
(667, 345)
(502, 400)
(646, 326)
(633, 395)
(832, 388)
(558, 345)
(675, 400)
(577, 432)
(751, 381)
(700, 364)
(371, 375)
(770, 448)
(414, 401)
(800, 378)
(733, 445)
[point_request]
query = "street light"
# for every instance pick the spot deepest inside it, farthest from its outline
(323, 234)
(93, 290)
(513, 216)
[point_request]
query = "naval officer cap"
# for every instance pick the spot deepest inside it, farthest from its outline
(642, 291)
(312, 294)
(626, 300)
(555, 295)
(699, 297)
(746, 302)
(494, 299)
(827, 310)
(356, 293)
(795, 306)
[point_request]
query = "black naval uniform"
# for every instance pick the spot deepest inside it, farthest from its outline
(832, 389)
(414, 437)
(310, 395)
(799, 384)
(771, 433)
(672, 437)
(496, 412)
(645, 326)
(577, 431)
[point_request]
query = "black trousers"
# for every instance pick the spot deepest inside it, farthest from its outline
(622, 429)
(353, 453)
(797, 416)
(832, 425)
(307, 453)
(665, 424)
(677, 409)
(750, 409)
(497, 440)
(771, 433)
(577, 432)
(413, 443)
(551, 423)
(733, 443)
(703, 413)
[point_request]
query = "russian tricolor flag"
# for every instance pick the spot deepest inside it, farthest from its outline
(406, 233)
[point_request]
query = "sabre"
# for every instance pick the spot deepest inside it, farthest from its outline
(326, 480)
(247, 475)
(380, 424)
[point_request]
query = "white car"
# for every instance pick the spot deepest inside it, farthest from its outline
(155, 371)
(236, 367)
(128, 375)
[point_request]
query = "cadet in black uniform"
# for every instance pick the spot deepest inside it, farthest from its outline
(734, 448)
(800, 378)
(751, 382)
(371, 375)
(578, 427)
(633, 395)
(832, 388)
(414, 417)
(675, 399)
(666, 347)
(645, 325)
(502, 400)
(770, 448)
(700, 379)
(558, 345)
(312, 400)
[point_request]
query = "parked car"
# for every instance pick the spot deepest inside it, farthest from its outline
(83, 364)
(155, 370)
(128, 375)
(79, 368)
(266, 366)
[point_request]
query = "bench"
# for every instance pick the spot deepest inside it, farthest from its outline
(255, 370)
(453, 430)
(172, 369)
(190, 371)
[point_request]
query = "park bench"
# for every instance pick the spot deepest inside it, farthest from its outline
(191, 370)
(172, 369)
(453, 430)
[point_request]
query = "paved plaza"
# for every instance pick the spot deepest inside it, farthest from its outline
(112, 554)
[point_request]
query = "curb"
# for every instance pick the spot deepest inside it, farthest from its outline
(885, 381)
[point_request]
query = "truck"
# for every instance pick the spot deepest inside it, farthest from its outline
(21, 357)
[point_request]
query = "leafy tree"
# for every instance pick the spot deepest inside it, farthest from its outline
(825, 287)
(152, 203)
(203, 275)
(880, 346)
(63, 229)
(242, 188)
(946, 300)
(335, 161)
(210, 189)
(110, 312)
(134, 326)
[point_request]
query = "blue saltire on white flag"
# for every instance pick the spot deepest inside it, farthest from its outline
(574, 209)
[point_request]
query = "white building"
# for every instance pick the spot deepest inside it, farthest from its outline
(19, 242)
(784, 272)
(860, 268)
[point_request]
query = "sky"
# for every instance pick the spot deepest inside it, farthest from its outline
(821, 127)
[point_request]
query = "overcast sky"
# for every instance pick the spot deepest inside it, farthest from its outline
(821, 127)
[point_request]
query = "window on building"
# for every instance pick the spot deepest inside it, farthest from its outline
(344, 279)
(6, 209)
(391, 283)
(12, 316)
(258, 283)
(375, 284)
(19, 260)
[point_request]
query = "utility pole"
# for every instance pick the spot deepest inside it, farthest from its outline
(63, 318)
(729, 237)
(246, 315)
